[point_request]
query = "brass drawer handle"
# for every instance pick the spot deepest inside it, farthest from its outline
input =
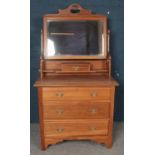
(93, 110)
(76, 68)
(60, 130)
(93, 129)
(93, 94)
(60, 94)
(60, 111)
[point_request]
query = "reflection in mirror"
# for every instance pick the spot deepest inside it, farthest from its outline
(74, 38)
(50, 48)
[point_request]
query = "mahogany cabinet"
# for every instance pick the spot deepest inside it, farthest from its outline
(75, 89)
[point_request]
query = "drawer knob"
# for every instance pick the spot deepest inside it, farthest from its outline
(60, 94)
(60, 111)
(93, 110)
(93, 129)
(60, 130)
(76, 68)
(93, 94)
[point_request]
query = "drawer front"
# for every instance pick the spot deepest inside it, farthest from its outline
(76, 93)
(75, 67)
(75, 110)
(61, 128)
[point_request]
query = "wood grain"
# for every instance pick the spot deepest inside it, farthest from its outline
(94, 64)
(75, 67)
(78, 81)
(76, 110)
(43, 147)
(78, 93)
(63, 128)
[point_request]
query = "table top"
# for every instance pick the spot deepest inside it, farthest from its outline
(68, 81)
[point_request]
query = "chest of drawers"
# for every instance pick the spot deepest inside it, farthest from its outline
(75, 110)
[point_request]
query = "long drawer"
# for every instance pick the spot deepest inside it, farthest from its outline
(76, 93)
(81, 127)
(75, 110)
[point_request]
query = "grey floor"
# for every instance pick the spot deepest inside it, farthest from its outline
(79, 147)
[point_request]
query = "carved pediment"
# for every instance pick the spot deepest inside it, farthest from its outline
(75, 9)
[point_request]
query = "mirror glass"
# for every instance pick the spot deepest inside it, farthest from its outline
(74, 38)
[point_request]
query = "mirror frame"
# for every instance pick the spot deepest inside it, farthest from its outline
(67, 15)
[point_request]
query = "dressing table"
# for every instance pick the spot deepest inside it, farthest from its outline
(75, 89)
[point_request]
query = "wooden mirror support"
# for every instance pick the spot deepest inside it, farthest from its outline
(76, 92)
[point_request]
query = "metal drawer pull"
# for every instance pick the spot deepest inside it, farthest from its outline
(93, 110)
(93, 129)
(93, 94)
(60, 94)
(60, 111)
(60, 130)
(76, 68)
